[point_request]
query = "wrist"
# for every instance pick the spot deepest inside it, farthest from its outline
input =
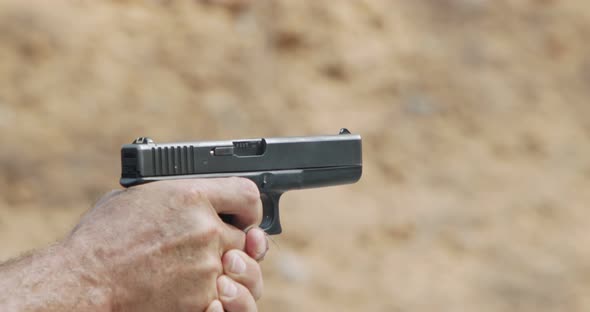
(51, 279)
(88, 276)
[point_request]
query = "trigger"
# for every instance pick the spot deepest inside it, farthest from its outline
(270, 213)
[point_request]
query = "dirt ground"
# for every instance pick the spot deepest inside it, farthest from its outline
(474, 115)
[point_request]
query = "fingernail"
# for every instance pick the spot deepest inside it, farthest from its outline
(262, 245)
(236, 264)
(227, 287)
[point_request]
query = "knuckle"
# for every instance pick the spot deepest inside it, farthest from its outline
(213, 233)
(230, 254)
(243, 301)
(251, 277)
(213, 266)
(250, 189)
(189, 196)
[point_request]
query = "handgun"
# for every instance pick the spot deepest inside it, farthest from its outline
(276, 165)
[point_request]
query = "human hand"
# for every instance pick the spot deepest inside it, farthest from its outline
(241, 285)
(162, 246)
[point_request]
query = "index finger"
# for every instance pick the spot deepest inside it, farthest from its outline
(237, 197)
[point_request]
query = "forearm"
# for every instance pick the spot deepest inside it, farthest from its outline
(50, 279)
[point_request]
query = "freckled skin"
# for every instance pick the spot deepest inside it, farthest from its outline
(154, 247)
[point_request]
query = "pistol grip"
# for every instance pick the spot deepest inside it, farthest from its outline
(271, 223)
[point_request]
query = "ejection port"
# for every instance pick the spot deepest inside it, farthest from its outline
(223, 151)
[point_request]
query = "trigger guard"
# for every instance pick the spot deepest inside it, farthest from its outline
(270, 213)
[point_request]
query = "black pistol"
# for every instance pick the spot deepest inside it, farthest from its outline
(276, 165)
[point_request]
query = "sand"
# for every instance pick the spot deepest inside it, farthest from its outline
(474, 117)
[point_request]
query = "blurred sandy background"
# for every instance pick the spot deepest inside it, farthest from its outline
(474, 115)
